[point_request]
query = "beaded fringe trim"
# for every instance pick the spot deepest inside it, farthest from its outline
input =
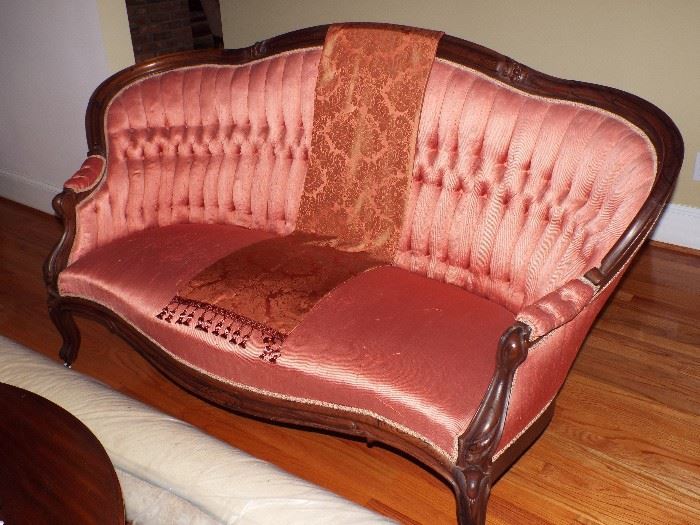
(235, 328)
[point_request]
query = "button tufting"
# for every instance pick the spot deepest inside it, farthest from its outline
(418, 174)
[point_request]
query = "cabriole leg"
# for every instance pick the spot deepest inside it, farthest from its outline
(472, 490)
(63, 319)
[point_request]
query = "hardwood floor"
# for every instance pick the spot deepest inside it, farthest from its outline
(623, 448)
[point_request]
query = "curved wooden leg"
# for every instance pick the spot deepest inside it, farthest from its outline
(473, 473)
(63, 319)
(472, 490)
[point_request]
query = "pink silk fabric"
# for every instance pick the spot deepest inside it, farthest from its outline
(87, 176)
(557, 307)
(413, 352)
(516, 195)
(512, 197)
(206, 144)
(366, 111)
(539, 379)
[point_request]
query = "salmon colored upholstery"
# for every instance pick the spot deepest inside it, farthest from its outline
(538, 380)
(209, 144)
(557, 307)
(411, 351)
(514, 197)
(87, 176)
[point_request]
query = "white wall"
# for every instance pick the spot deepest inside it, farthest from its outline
(52, 57)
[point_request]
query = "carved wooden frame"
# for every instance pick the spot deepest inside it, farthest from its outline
(472, 475)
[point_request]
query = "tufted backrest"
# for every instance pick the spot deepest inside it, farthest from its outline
(212, 143)
(514, 195)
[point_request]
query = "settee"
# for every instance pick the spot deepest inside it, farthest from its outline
(375, 230)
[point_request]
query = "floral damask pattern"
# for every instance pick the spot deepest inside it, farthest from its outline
(368, 98)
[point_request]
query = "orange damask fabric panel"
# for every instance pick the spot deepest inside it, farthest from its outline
(257, 295)
(366, 111)
(369, 94)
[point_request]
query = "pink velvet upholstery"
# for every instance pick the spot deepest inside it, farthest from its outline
(209, 144)
(412, 351)
(516, 195)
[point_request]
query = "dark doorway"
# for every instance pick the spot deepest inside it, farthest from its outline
(165, 26)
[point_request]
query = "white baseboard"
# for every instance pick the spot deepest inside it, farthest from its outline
(24, 190)
(679, 224)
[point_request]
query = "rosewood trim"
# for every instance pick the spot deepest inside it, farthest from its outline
(64, 205)
(478, 444)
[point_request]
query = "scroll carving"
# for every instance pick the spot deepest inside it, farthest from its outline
(512, 71)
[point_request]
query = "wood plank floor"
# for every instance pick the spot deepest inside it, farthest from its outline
(623, 448)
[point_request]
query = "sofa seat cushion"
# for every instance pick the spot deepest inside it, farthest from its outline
(410, 351)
